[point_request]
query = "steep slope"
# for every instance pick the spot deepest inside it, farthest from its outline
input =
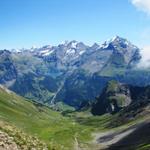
(25, 121)
(37, 88)
(125, 55)
(138, 139)
(8, 71)
(81, 87)
(113, 98)
(116, 96)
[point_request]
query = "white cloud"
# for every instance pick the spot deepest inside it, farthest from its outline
(145, 61)
(143, 5)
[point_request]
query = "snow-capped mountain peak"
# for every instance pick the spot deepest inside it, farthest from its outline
(117, 41)
(115, 38)
(73, 44)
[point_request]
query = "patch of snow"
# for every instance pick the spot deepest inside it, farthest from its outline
(47, 46)
(127, 43)
(65, 43)
(70, 51)
(74, 44)
(32, 50)
(44, 51)
(81, 52)
(105, 45)
(48, 53)
(16, 50)
(107, 42)
(113, 39)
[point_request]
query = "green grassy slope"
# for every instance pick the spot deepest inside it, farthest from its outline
(49, 126)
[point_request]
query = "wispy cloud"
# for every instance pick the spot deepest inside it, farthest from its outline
(145, 61)
(143, 5)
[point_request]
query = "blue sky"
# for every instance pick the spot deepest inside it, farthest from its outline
(25, 23)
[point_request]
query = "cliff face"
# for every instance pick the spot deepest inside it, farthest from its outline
(116, 96)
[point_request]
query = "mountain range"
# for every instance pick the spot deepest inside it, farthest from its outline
(72, 72)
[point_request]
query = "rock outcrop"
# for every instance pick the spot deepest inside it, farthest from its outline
(116, 96)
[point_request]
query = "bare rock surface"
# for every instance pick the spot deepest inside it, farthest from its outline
(7, 142)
